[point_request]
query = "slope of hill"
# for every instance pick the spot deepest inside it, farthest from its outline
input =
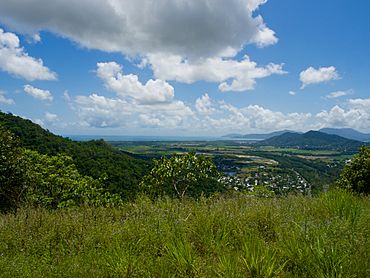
(120, 171)
(314, 140)
(258, 136)
(348, 133)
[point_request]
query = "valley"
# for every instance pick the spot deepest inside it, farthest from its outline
(245, 165)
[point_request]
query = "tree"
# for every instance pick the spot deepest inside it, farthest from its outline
(56, 183)
(13, 174)
(356, 174)
(181, 175)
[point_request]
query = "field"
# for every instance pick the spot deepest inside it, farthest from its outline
(223, 236)
(281, 169)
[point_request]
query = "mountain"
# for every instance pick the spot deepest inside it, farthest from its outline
(120, 171)
(258, 136)
(312, 140)
(348, 133)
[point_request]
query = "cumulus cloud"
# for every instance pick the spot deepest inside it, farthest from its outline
(134, 107)
(37, 93)
(356, 115)
(153, 105)
(193, 28)
(14, 60)
(134, 104)
(5, 100)
(232, 75)
(360, 103)
(292, 93)
(154, 91)
(207, 117)
(316, 76)
(204, 105)
(180, 40)
(338, 94)
(265, 36)
(227, 118)
(100, 111)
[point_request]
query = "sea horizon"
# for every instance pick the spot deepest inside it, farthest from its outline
(148, 138)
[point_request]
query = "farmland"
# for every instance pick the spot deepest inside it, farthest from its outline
(280, 169)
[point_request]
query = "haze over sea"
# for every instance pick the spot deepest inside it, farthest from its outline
(143, 138)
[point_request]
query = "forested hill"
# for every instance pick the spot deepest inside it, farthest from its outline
(121, 172)
(314, 140)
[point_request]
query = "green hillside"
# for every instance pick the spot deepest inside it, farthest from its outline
(313, 140)
(120, 172)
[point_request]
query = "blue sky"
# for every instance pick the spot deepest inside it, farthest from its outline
(191, 67)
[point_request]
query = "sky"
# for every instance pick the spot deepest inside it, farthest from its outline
(186, 67)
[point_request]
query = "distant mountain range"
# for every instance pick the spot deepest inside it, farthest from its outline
(258, 136)
(312, 140)
(348, 133)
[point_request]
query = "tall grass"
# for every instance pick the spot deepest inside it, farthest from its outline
(234, 236)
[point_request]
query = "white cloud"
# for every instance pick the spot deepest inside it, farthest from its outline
(232, 75)
(180, 40)
(134, 104)
(361, 103)
(357, 115)
(154, 91)
(193, 28)
(14, 60)
(208, 117)
(36, 38)
(204, 105)
(51, 118)
(100, 111)
(40, 94)
(133, 107)
(338, 94)
(252, 118)
(5, 100)
(154, 105)
(292, 93)
(265, 36)
(315, 76)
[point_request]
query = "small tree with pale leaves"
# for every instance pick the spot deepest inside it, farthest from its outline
(182, 175)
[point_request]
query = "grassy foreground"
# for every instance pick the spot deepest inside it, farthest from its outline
(234, 236)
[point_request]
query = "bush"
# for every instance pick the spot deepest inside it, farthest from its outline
(182, 175)
(356, 174)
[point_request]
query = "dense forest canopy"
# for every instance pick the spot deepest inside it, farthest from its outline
(119, 171)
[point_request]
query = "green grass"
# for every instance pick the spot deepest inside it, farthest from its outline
(299, 151)
(225, 236)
